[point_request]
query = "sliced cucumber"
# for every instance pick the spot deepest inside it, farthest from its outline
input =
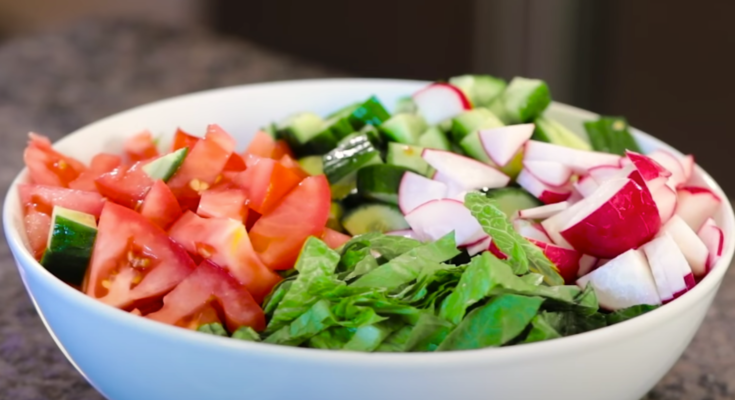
(339, 128)
(335, 215)
(374, 217)
(434, 138)
(550, 131)
(312, 165)
(307, 134)
(165, 167)
(271, 129)
(380, 182)
(480, 89)
(472, 146)
(371, 112)
(472, 120)
(511, 199)
(611, 135)
(525, 99)
(405, 105)
(342, 163)
(404, 128)
(70, 244)
(407, 156)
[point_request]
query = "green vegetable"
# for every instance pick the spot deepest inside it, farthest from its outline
(480, 89)
(397, 340)
(71, 240)
(165, 167)
(276, 296)
(316, 319)
(380, 182)
(428, 333)
(246, 333)
(213, 329)
(550, 131)
(434, 138)
(404, 128)
(541, 330)
(312, 165)
(405, 105)
(407, 156)
(611, 135)
(568, 323)
(511, 199)
(628, 313)
(369, 338)
(373, 217)
(525, 99)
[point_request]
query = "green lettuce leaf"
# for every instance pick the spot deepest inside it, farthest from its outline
(628, 313)
(333, 338)
(541, 330)
(568, 323)
(370, 337)
(428, 333)
(246, 333)
(271, 302)
(316, 319)
(214, 328)
(396, 342)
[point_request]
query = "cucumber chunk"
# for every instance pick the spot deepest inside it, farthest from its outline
(407, 156)
(342, 163)
(611, 135)
(472, 146)
(335, 215)
(550, 131)
(307, 134)
(472, 120)
(434, 138)
(480, 89)
(374, 217)
(371, 112)
(312, 165)
(511, 199)
(70, 244)
(525, 99)
(165, 167)
(404, 128)
(405, 105)
(380, 182)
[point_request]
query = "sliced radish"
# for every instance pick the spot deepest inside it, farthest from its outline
(665, 199)
(696, 204)
(547, 194)
(407, 233)
(619, 216)
(687, 165)
(575, 196)
(587, 263)
(624, 162)
(415, 190)
(648, 167)
(501, 144)
(433, 220)
(586, 185)
(689, 243)
(714, 239)
(543, 212)
(669, 267)
(493, 248)
(464, 173)
(479, 246)
(623, 282)
(553, 226)
(549, 172)
(672, 164)
(440, 101)
(531, 230)
(580, 161)
(604, 173)
(566, 260)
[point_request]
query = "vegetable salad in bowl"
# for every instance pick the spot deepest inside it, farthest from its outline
(463, 218)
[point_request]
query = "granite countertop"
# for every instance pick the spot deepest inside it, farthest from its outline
(57, 82)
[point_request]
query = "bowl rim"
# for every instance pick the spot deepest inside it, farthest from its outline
(509, 354)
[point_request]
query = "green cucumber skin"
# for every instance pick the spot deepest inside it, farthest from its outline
(472, 146)
(611, 135)
(525, 99)
(550, 131)
(407, 156)
(340, 128)
(434, 138)
(165, 167)
(341, 164)
(472, 120)
(312, 165)
(371, 112)
(404, 128)
(511, 199)
(374, 217)
(70, 249)
(380, 182)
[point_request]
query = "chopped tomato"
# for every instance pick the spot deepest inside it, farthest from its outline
(281, 149)
(223, 203)
(160, 205)
(133, 260)
(125, 186)
(101, 163)
(235, 163)
(252, 218)
(225, 242)
(334, 239)
(183, 139)
(262, 145)
(43, 199)
(265, 183)
(47, 166)
(288, 162)
(278, 236)
(37, 226)
(140, 147)
(206, 293)
(201, 167)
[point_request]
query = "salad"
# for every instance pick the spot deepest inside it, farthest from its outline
(463, 218)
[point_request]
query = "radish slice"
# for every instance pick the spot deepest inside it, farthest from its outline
(543, 212)
(669, 267)
(648, 167)
(575, 196)
(665, 199)
(579, 161)
(587, 263)
(433, 220)
(623, 282)
(531, 230)
(586, 185)
(547, 194)
(566, 260)
(479, 247)
(407, 233)
(440, 101)
(501, 144)
(549, 172)
(696, 204)
(493, 248)
(619, 216)
(713, 238)
(689, 243)
(604, 173)
(415, 190)
(464, 173)
(687, 164)
(672, 164)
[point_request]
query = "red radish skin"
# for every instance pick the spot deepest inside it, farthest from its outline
(464, 172)
(580, 161)
(566, 260)
(623, 282)
(502, 144)
(648, 167)
(689, 243)
(586, 185)
(672, 164)
(545, 193)
(543, 212)
(479, 246)
(619, 216)
(435, 219)
(493, 248)
(440, 101)
(415, 190)
(666, 202)
(712, 237)
(549, 172)
(668, 266)
(696, 204)
(587, 264)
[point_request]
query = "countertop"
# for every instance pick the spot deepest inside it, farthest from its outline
(56, 82)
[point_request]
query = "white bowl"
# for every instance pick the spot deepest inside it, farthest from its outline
(130, 358)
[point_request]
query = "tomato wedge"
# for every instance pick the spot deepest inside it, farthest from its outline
(334, 239)
(125, 186)
(183, 139)
(288, 162)
(133, 260)
(47, 166)
(101, 164)
(224, 203)
(235, 163)
(278, 236)
(262, 145)
(225, 242)
(201, 167)
(266, 181)
(160, 206)
(140, 147)
(207, 292)
(281, 149)
(37, 226)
